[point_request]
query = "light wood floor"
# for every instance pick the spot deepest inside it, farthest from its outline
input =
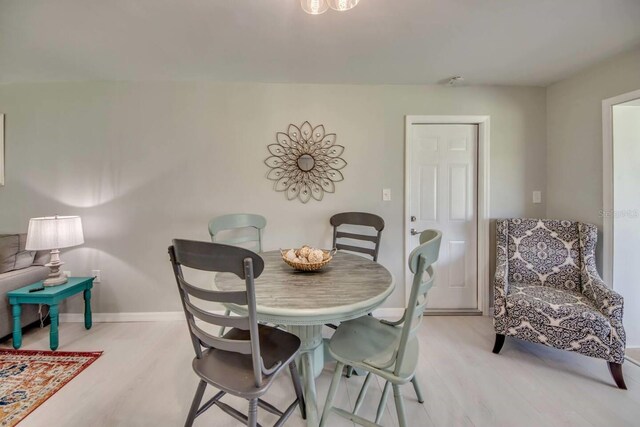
(633, 353)
(144, 378)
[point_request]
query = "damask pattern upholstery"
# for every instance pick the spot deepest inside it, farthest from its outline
(544, 253)
(562, 309)
(547, 289)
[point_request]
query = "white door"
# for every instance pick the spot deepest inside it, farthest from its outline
(443, 195)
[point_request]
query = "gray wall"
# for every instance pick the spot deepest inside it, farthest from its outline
(574, 136)
(145, 162)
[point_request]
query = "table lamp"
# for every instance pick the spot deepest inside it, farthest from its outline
(54, 233)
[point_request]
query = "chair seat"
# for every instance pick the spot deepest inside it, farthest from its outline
(233, 372)
(367, 339)
(559, 308)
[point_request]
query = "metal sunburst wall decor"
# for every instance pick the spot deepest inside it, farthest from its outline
(306, 162)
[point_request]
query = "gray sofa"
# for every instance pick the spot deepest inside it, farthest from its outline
(18, 268)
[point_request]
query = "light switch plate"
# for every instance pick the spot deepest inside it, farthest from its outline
(537, 196)
(386, 194)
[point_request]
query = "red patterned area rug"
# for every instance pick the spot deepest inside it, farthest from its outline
(29, 377)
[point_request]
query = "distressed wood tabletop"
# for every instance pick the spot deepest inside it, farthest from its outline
(348, 282)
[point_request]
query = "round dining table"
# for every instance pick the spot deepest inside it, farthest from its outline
(350, 286)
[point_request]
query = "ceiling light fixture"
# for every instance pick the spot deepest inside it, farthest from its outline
(317, 7)
(342, 5)
(314, 7)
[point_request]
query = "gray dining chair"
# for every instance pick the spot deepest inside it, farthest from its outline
(386, 349)
(255, 224)
(360, 219)
(247, 359)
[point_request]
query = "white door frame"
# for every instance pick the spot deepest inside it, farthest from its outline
(483, 123)
(608, 216)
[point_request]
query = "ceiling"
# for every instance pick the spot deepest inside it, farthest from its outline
(508, 42)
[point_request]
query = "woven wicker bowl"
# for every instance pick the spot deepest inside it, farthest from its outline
(327, 257)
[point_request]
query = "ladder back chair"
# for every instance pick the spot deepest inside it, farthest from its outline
(361, 219)
(236, 222)
(386, 349)
(245, 361)
(252, 222)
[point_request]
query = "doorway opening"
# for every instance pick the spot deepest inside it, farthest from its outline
(621, 213)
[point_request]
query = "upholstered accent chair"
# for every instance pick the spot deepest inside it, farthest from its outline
(547, 291)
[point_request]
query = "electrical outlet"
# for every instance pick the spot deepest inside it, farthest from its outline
(537, 196)
(97, 276)
(67, 273)
(386, 194)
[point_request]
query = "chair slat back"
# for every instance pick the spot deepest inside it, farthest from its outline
(220, 258)
(235, 297)
(216, 319)
(361, 219)
(421, 262)
(256, 223)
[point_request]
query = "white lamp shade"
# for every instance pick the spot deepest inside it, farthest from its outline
(54, 232)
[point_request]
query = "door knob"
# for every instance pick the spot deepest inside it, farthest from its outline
(413, 218)
(414, 232)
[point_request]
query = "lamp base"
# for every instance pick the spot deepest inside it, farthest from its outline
(55, 281)
(56, 277)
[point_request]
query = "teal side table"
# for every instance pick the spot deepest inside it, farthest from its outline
(51, 296)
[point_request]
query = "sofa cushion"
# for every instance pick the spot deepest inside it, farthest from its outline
(564, 309)
(13, 255)
(42, 257)
(13, 280)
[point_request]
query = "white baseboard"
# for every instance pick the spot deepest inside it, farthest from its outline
(156, 316)
(166, 316)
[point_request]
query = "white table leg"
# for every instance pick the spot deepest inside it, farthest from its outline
(310, 396)
(311, 364)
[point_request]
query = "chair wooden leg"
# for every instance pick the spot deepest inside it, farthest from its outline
(349, 371)
(226, 313)
(253, 413)
(416, 387)
(195, 404)
(333, 389)
(616, 373)
(297, 386)
(363, 392)
(397, 395)
(499, 343)
(383, 401)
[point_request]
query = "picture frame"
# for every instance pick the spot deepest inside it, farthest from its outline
(305, 163)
